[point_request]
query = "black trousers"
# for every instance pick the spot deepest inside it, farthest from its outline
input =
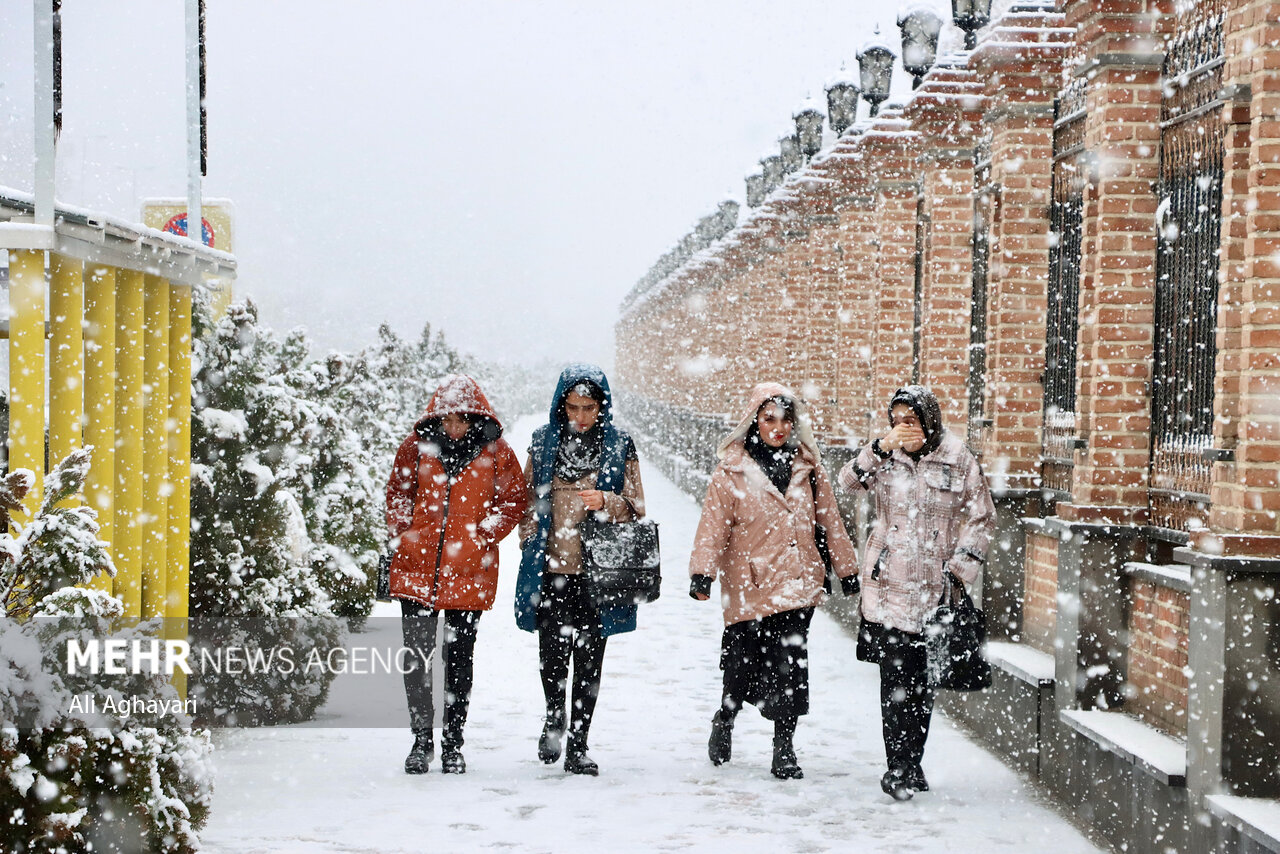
(906, 700)
(569, 632)
(418, 624)
(766, 663)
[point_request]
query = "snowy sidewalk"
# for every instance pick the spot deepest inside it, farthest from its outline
(307, 789)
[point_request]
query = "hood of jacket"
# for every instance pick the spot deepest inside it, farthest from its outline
(926, 408)
(570, 377)
(803, 430)
(458, 394)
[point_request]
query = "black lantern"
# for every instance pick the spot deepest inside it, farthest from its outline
(789, 148)
(842, 101)
(755, 190)
(875, 67)
(808, 121)
(920, 27)
(771, 168)
(971, 16)
(727, 215)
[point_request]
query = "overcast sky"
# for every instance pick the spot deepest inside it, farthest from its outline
(503, 170)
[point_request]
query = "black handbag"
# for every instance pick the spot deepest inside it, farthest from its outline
(953, 636)
(383, 591)
(621, 561)
(820, 537)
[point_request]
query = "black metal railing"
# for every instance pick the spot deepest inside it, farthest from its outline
(1189, 220)
(1066, 216)
(917, 321)
(983, 203)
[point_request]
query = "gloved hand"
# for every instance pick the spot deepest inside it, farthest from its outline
(700, 587)
(850, 585)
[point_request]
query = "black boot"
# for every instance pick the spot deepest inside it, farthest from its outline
(451, 761)
(576, 760)
(419, 758)
(895, 784)
(720, 746)
(916, 779)
(549, 743)
(785, 766)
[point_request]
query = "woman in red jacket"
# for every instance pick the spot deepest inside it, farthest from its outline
(456, 490)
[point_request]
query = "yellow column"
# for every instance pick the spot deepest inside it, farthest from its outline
(129, 442)
(26, 368)
(66, 357)
(179, 432)
(100, 400)
(155, 495)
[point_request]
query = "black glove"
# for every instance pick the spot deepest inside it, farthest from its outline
(850, 585)
(699, 586)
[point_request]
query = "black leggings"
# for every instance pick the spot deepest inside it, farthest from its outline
(557, 644)
(419, 627)
(906, 700)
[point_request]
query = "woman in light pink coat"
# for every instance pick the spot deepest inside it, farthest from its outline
(933, 517)
(757, 535)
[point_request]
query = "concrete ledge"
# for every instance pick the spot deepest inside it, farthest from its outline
(1256, 819)
(1022, 662)
(1161, 756)
(1176, 577)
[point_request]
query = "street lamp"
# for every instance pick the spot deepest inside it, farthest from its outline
(808, 121)
(755, 190)
(971, 16)
(842, 101)
(789, 148)
(920, 27)
(875, 68)
(771, 166)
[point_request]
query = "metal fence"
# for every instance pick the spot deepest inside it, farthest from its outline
(984, 193)
(1190, 223)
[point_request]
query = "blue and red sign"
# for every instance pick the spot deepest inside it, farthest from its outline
(177, 224)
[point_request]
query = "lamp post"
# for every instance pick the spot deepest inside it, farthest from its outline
(808, 121)
(842, 101)
(875, 69)
(971, 16)
(920, 27)
(771, 167)
(755, 190)
(789, 148)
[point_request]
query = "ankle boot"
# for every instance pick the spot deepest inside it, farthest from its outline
(552, 736)
(720, 746)
(420, 756)
(451, 761)
(576, 760)
(785, 766)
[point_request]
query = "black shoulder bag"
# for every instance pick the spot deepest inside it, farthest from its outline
(383, 591)
(820, 536)
(953, 637)
(621, 560)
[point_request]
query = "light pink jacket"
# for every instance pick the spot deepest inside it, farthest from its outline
(759, 542)
(932, 515)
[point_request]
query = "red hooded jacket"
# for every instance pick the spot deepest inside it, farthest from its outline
(446, 531)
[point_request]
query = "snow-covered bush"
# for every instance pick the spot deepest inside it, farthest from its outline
(71, 779)
(252, 582)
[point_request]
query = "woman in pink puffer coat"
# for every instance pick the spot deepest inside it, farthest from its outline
(757, 536)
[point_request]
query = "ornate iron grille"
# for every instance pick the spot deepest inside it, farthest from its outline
(983, 201)
(1066, 215)
(1190, 222)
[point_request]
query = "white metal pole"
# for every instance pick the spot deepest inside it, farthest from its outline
(195, 220)
(45, 141)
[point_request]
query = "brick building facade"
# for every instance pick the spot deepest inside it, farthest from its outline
(1072, 234)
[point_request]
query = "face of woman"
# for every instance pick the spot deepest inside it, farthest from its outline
(582, 411)
(905, 416)
(454, 425)
(775, 428)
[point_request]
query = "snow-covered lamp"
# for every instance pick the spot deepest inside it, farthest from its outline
(971, 16)
(789, 148)
(875, 68)
(920, 27)
(771, 166)
(755, 190)
(842, 101)
(808, 121)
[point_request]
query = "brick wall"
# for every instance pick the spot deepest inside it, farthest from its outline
(1159, 622)
(1040, 592)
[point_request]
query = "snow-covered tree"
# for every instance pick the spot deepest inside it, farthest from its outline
(63, 771)
(252, 582)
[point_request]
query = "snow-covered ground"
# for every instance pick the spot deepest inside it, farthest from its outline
(336, 789)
